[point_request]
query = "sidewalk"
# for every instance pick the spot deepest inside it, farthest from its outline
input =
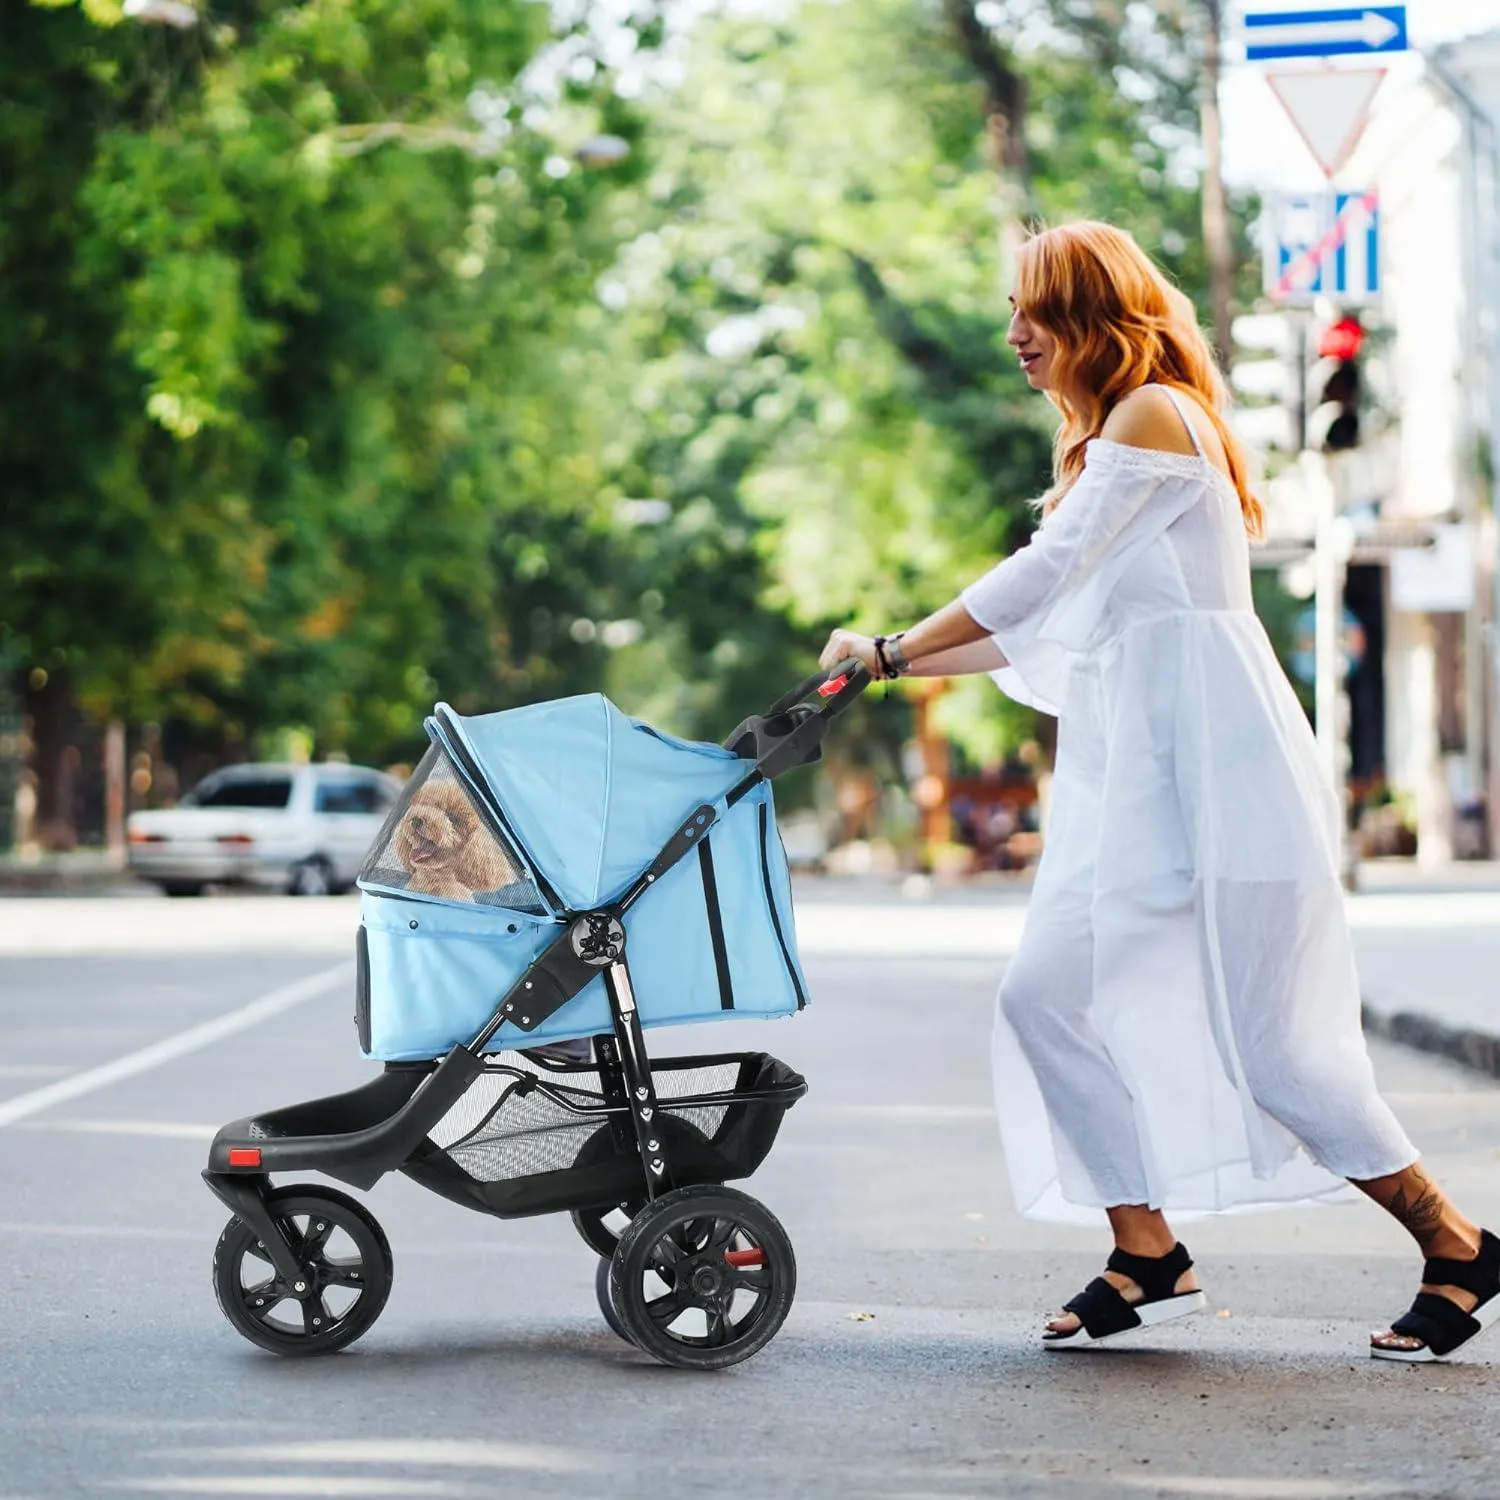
(74, 872)
(1428, 944)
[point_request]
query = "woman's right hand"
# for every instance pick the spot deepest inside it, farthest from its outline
(843, 644)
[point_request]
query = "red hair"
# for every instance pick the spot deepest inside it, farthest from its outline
(1119, 324)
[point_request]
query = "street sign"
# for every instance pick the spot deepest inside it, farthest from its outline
(1366, 30)
(1329, 107)
(1321, 245)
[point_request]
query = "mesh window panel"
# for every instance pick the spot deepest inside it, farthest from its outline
(437, 844)
(496, 1134)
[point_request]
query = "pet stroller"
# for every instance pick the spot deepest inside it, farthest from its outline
(505, 914)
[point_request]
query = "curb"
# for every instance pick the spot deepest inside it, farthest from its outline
(83, 872)
(1473, 1049)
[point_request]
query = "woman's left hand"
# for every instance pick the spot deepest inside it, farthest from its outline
(843, 644)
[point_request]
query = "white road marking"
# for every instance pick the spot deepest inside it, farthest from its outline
(172, 1047)
(435, 1452)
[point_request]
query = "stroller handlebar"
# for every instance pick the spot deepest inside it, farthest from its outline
(790, 732)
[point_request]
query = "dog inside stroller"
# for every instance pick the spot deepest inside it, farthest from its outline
(554, 881)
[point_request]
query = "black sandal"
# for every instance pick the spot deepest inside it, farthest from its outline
(1444, 1326)
(1103, 1312)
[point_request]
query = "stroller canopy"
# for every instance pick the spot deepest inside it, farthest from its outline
(586, 795)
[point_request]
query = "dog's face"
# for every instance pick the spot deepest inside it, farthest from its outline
(442, 842)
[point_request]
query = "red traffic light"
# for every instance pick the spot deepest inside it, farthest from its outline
(1341, 340)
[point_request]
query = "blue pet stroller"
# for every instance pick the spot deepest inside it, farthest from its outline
(509, 962)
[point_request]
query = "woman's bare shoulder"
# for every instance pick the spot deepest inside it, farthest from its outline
(1147, 418)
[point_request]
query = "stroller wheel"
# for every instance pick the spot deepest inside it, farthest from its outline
(601, 1228)
(703, 1277)
(607, 1301)
(345, 1274)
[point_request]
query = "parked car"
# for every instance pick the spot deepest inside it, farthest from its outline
(301, 829)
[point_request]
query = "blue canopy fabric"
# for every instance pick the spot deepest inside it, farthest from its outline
(587, 798)
(591, 793)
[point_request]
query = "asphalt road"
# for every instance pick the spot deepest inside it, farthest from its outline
(909, 1366)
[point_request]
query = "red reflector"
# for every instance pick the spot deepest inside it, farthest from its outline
(745, 1257)
(235, 838)
(135, 836)
(244, 1156)
(830, 688)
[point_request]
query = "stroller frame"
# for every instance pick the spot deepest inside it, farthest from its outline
(359, 1136)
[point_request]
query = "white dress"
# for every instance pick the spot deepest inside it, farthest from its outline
(1181, 1024)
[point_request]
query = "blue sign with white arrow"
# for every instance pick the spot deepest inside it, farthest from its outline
(1366, 30)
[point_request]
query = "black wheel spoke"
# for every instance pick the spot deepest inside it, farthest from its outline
(257, 1251)
(665, 1310)
(724, 1231)
(260, 1299)
(350, 1273)
(319, 1228)
(751, 1279)
(718, 1328)
(315, 1316)
(666, 1253)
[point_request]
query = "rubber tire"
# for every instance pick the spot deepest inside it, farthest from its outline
(310, 877)
(589, 1222)
(377, 1264)
(630, 1263)
(181, 887)
(607, 1301)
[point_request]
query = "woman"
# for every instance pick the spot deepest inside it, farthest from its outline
(1180, 1028)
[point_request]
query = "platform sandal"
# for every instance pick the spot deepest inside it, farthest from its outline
(1104, 1313)
(1444, 1326)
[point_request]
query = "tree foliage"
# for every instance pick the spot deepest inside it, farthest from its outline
(336, 386)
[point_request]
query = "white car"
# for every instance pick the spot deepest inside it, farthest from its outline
(300, 829)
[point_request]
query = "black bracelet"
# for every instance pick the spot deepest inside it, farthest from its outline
(884, 669)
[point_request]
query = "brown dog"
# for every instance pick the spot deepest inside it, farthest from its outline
(448, 851)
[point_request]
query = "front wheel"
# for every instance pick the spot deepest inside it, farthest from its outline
(703, 1277)
(343, 1278)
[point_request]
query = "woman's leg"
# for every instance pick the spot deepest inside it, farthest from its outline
(1046, 999)
(1138, 1230)
(1427, 1213)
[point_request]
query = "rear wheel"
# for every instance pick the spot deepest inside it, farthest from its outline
(703, 1277)
(600, 1228)
(182, 887)
(606, 1300)
(310, 877)
(343, 1278)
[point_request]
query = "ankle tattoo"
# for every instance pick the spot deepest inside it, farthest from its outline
(1421, 1213)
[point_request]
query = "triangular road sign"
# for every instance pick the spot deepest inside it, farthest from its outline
(1329, 108)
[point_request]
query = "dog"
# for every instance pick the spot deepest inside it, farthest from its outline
(449, 853)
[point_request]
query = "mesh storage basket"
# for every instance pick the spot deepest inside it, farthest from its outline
(529, 1137)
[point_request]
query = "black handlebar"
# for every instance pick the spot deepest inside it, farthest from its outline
(790, 732)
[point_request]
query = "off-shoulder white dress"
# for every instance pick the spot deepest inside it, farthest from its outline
(1181, 1024)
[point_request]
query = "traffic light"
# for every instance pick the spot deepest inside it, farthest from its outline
(1333, 423)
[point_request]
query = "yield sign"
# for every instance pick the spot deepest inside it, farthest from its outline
(1328, 108)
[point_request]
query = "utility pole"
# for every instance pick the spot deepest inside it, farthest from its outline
(1216, 242)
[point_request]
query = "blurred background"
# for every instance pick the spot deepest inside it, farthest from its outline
(361, 354)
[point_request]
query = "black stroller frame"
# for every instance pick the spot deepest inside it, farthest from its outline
(705, 1244)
